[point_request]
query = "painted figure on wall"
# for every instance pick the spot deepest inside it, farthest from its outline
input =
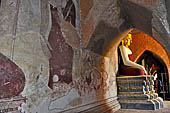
(12, 79)
(128, 67)
(62, 53)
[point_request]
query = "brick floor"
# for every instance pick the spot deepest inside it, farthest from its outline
(166, 109)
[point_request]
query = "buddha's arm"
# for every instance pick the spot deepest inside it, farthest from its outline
(126, 60)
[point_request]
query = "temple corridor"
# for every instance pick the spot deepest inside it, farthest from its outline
(84, 56)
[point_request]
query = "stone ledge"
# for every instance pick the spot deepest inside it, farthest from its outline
(110, 104)
(136, 92)
(11, 105)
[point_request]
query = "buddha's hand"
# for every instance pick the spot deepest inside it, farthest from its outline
(141, 67)
(145, 71)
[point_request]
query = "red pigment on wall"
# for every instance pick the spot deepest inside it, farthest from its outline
(62, 53)
(12, 78)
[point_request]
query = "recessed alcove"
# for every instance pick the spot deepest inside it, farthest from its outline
(148, 51)
(148, 59)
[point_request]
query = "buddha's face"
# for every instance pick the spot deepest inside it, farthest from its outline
(128, 40)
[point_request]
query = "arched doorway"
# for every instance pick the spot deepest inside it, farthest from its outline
(148, 59)
(143, 45)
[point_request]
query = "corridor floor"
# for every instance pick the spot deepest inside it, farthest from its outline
(166, 109)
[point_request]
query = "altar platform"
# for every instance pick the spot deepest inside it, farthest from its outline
(137, 92)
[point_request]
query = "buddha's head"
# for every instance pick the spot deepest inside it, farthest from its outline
(127, 40)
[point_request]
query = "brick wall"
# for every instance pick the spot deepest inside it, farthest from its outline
(142, 42)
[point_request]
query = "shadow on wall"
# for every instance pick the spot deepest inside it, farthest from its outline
(111, 69)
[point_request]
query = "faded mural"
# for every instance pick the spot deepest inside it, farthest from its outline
(43, 68)
(91, 73)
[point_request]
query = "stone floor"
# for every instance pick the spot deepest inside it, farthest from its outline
(166, 109)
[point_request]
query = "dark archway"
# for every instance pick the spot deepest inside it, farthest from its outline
(148, 59)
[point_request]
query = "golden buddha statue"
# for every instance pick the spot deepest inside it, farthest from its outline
(129, 67)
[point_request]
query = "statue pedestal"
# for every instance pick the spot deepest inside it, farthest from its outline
(137, 92)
